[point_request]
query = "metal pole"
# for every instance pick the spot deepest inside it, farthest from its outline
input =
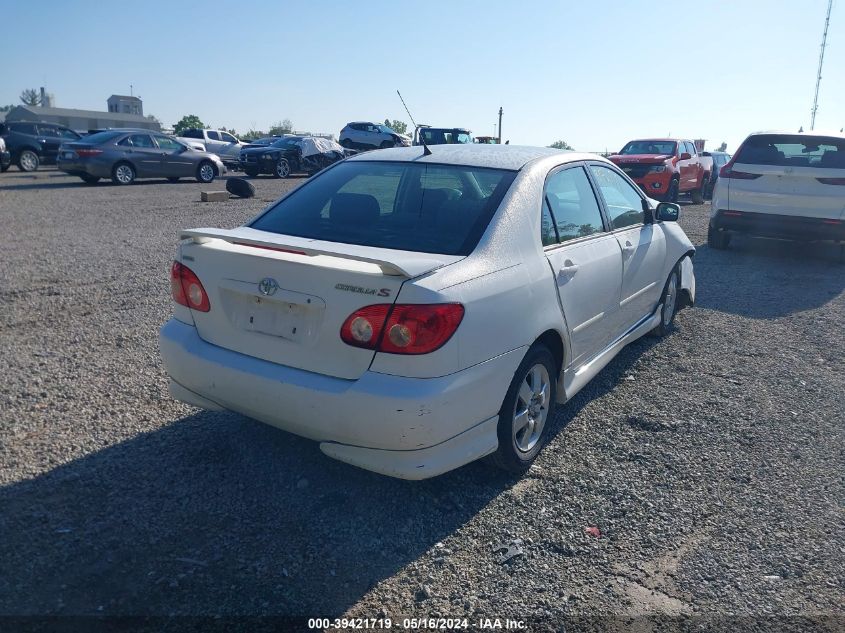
(500, 120)
(821, 61)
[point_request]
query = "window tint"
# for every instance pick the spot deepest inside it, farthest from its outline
(24, 128)
(573, 204)
(68, 134)
(793, 150)
(690, 148)
(406, 206)
(168, 143)
(214, 136)
(191, 133)
(624, 204)
(48, 130)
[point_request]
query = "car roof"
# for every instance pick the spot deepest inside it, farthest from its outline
(833, 133)
(513, 157)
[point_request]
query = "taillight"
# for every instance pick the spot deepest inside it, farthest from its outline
(831, 181)
(85, 153)
(404, 328)
(187, 289)
(728, 172)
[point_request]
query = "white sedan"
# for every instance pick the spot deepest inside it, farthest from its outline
(414, 312)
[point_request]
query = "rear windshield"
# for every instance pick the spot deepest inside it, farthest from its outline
(100, 137)
(649, 147)
(793, 150)
(405, 206)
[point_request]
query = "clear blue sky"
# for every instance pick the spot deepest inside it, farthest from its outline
(592, 73)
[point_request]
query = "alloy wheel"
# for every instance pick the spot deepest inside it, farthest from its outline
(531, 408)
(124, 174)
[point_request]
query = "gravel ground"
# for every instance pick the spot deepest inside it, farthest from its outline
(711, 462)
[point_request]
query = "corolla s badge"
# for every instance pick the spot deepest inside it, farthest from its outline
(268, 286)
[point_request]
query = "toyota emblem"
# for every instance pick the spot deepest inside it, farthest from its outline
(268, 286)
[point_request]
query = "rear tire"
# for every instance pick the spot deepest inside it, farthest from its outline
(698, 195)
(669, 304)
(123, 174)
(526, 413)
(28, 160)
(718, 240)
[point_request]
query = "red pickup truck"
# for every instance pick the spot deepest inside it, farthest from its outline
(666, 167)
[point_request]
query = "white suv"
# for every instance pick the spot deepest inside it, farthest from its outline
(415, 312)
(365, 135)
(782, 185)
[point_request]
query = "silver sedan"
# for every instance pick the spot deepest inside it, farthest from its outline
(127, 154)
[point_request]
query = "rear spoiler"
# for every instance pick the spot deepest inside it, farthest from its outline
(410, 265)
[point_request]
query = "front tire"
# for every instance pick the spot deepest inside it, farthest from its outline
(206, 172)
(282, 169)
(718, 240)
(526, 412)
(669, 304)
(28, 160)
(672, 194)
(123, 174)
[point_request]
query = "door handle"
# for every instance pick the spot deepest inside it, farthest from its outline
(628, 249)
(567, 271)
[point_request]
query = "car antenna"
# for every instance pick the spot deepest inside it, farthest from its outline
(426, 151)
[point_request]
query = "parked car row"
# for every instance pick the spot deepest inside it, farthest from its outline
(124, 155)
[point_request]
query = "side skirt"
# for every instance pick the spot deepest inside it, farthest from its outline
(575, 378)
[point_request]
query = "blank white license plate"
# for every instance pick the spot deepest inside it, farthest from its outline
(275, 318)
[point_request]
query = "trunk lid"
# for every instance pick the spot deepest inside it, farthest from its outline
(788, 190)
(283, 299)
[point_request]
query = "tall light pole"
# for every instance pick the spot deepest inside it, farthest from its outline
(821, 61)
(500, 120)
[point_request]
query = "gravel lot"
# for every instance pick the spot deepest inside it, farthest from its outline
(711, 462)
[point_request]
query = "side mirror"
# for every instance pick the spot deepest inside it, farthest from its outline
(686, 156)
(667, 212)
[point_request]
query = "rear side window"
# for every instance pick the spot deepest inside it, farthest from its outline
(573, 204)
(23, 128)
(793, 150)
(214, 136)
(405, 206)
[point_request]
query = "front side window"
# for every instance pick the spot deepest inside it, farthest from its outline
(168, 144)
(405, 206)
(573, 204)
(624, 203)
(48, 130)
(228, 137)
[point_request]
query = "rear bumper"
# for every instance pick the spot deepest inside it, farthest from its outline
(90, 166)
(403, 427)
(5, 159)
(788, 227)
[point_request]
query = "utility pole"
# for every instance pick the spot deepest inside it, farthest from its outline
(500, 120)
(821, 61)
(131, 89)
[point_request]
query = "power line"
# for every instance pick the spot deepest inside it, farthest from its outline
(821, 61)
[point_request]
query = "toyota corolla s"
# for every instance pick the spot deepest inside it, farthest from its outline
(415, 311)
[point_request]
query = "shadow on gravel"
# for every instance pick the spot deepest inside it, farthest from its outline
(218, 514)
(767, 279)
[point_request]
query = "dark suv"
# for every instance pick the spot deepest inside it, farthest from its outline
(32, 144)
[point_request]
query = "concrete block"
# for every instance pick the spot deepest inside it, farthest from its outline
(214, 196)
